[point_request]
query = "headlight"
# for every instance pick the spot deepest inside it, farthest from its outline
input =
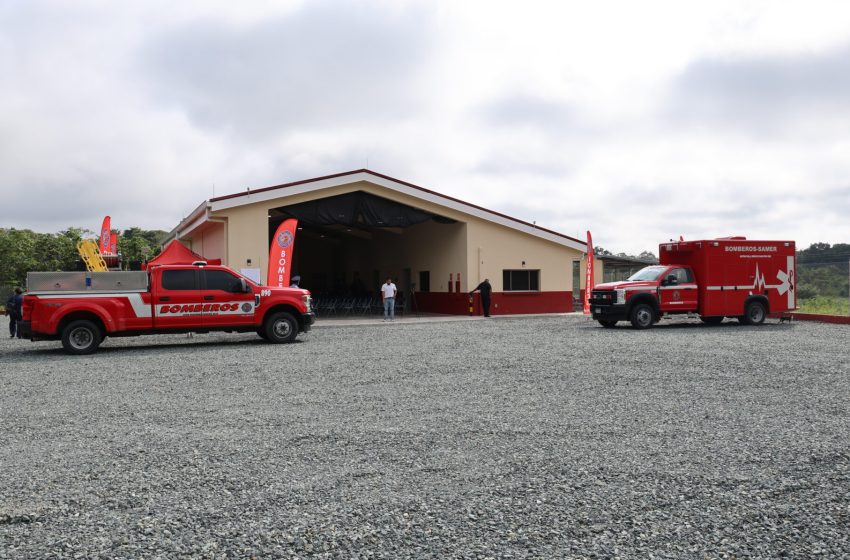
(308, 303)
(621, 297)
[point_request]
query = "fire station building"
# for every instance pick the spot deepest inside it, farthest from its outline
(357, 228)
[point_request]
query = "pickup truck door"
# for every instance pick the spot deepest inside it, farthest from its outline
(176, 299)
(677, 291)
(225, 303)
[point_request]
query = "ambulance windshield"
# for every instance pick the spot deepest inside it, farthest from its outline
(648, 274)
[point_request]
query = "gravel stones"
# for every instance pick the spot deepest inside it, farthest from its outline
(533, 437)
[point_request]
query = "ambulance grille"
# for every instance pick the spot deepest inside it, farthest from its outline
(602, 297)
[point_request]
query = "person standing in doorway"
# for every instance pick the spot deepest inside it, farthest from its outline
(14, 307)
(485, 288)
(388, 292)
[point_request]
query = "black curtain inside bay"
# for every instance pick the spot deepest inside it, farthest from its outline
(357, 209)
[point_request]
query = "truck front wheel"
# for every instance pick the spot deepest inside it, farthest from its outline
(754, 313)
(281, 327)
(80, 337)
(642, 316)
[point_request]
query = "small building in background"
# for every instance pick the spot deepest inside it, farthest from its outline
(610, 268)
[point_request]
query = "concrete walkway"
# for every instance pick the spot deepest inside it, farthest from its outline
(351, 320)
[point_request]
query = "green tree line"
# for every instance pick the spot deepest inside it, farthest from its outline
(822, 271)
(23, 250)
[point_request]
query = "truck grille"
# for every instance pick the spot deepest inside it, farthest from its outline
(602, 297)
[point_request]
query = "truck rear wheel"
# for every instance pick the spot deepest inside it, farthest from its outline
(642, 316)
(281, 327)
(80, 337)
(754, 313)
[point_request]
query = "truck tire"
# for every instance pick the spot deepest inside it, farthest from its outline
(754, 313)
(281, 327)
(642, 316)
(711, 320)
(607, 324)
(80, 337)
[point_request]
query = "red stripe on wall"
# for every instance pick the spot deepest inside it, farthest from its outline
(501, 303)
(836, 319)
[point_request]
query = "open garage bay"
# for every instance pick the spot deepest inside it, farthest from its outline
(514, 437)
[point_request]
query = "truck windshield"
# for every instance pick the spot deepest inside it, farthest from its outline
(650, 273)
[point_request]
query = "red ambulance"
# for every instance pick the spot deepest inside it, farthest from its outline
(714, 278)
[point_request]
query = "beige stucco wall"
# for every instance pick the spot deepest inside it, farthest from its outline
(209, 241)
(494, 248)
(475, 247)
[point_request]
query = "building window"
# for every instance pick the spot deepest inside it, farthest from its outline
(424, 280)
(577, 280)
(521, 280)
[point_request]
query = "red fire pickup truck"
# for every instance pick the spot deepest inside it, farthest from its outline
(715, 278)
(82, 308)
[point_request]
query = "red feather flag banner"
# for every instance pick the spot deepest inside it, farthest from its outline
(105, 235)
(113, 243)
(588, 280)
(280, 253)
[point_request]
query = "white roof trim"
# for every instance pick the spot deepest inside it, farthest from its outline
(197, 218)
(272, 194)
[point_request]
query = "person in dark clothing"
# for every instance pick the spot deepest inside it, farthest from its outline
(14, 306)
(485, 288)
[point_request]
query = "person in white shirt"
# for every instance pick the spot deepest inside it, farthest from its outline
(388, 292)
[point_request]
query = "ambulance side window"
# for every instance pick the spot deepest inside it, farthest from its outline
(179, 280)
(221, 280)
(683, 275)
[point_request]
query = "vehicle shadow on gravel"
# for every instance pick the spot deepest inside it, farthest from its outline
(187, 344)
(731, 325)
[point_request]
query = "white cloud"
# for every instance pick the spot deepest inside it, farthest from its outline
(639, 121)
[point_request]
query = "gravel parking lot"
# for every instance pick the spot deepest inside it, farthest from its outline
(533, 437)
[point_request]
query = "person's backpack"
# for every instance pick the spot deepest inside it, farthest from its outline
(11, 306)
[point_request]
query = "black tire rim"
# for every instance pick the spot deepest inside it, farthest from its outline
(282, 329)
(644, 316)
(81, 338)
(756, 313)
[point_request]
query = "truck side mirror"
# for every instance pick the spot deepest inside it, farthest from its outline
(672, 280)
(244, 285)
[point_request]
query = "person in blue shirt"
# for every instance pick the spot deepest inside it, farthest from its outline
(14, 306)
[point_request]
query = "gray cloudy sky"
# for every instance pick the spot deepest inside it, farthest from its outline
(640, 121)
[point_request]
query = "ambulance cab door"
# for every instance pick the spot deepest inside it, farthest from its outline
(176, 299)
(226, 303)
(678, 291)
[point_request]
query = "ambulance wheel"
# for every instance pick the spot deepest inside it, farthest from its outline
(642, 316)
(80, 337)
(754, 313)
(281, 327)
(711, 320)
(607, 324)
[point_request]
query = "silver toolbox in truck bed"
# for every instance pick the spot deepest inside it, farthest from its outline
(38, 282)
